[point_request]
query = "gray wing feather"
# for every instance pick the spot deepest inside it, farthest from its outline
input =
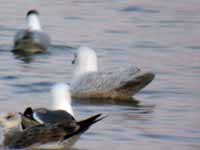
(49, 116)
(100, 81)
(40, 38)
(42, 134)
(121, 85)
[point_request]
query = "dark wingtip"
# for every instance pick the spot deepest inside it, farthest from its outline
(149, 76)
(101, 118)
(32, 11)
(85, 124)
(91, 120)
(98, 118)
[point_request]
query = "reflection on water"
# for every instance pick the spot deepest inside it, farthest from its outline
(153, 35)
(28, 58)
(133, 102)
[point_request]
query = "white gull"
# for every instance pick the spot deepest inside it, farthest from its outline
(89, 83)
(33, 39)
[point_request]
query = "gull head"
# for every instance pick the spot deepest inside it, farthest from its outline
(10, 121)
(62, 98)
(85, 60)
(32, 18)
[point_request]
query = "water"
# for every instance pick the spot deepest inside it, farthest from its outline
(162, 36)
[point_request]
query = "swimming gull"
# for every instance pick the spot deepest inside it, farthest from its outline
(89, 83)
(44, 128)
(33, 39)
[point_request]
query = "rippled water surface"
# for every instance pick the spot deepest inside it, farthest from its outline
(158, 35)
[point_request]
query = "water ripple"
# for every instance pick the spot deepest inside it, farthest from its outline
(139, 9)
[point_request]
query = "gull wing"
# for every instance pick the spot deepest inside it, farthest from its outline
(32, 117)
(47, 133)
(125, 82)
(42, 134)
(26, 37)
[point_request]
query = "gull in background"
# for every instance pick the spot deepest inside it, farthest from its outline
(33, 39)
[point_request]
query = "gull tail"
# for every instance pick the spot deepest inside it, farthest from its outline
(134, 84)
(85, 124)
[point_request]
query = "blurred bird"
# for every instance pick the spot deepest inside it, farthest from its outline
(44, 128)
(31, 40)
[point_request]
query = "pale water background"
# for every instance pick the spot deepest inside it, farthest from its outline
(158, 35)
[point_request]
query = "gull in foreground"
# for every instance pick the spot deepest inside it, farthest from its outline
(89, 83)
(44, 128)
(33, 39)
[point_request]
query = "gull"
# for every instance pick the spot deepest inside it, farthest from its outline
(32, 39)
(44, 128)
(89, 83)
